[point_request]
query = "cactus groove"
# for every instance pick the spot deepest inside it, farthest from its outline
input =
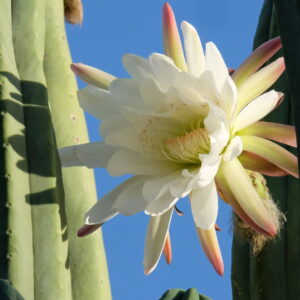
(41, 208)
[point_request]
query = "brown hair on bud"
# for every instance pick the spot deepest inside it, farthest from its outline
(256, 239)
(73, 11)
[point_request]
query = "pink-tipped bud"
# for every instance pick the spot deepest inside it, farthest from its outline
(92, 75)
(258, 58)
(171, 38)
(87, 229)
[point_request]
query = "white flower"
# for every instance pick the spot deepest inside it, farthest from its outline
(174, 125)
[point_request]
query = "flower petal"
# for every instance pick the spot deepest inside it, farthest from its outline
(281, 133)
(126, 161)
(97, 102)
(158, 185)
(193, 49)
(259, 82)
(209, 241)
(168, 249)
(215, 63)
(227, 196)
(137, 66)
(92, 155)
(272, 152)
(92, 75)
(156, 236)
(256, 110)
(204, 204)
(126, 92)
(258, 58)
(234, 149)
(130, 200)
(172, 43)
(105, 208)
(161, 204)
(229, 97)
(258, 164)
(241, 187)
(164, 70)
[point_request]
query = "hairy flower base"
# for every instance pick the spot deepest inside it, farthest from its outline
(183, 125)
(257, 239)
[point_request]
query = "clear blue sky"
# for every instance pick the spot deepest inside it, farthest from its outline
(111, 29)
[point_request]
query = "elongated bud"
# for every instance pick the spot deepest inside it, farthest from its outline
(259, 57)
(92, 75)
(210, 245)
(171, 38)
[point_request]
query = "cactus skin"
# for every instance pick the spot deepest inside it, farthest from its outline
(177, 294)
(16, 252)
(274, 273)
(39, 251)
(89, 269)
(7, 292)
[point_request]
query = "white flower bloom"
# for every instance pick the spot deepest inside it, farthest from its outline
(172, 125)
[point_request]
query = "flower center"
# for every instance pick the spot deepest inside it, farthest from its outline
(186, 149)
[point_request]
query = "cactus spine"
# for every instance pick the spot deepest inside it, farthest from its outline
(40, 208)
(275, 272)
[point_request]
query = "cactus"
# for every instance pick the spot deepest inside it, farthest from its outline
(177, 294)
(275, 272)
(41, 208)
(7, 292)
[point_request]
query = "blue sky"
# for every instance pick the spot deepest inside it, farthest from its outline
(111, 29)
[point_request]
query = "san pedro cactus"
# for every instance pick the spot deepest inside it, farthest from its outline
(177, 294)
(275, 272)
(40, 209)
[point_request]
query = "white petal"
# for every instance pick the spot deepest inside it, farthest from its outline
(234, 149)
(215, 63)
(97, 102)
(137, 66)
(164, 70)
(105, 208)
(256, 110)
(217, 125)
(124, 137)
(208, 170)
(204, 203)
(229, 96)
(155, 239)
(161, 205)
(126, 92)
(92, 155)
(112, 124)
(129, 162)
(193, 49)
(158, 185)
(131, 200)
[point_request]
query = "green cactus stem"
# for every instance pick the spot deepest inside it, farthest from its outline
(16, 253)
(52, 279)
(88, 270)
(275, 272)
(177, 294)
(40, 254)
